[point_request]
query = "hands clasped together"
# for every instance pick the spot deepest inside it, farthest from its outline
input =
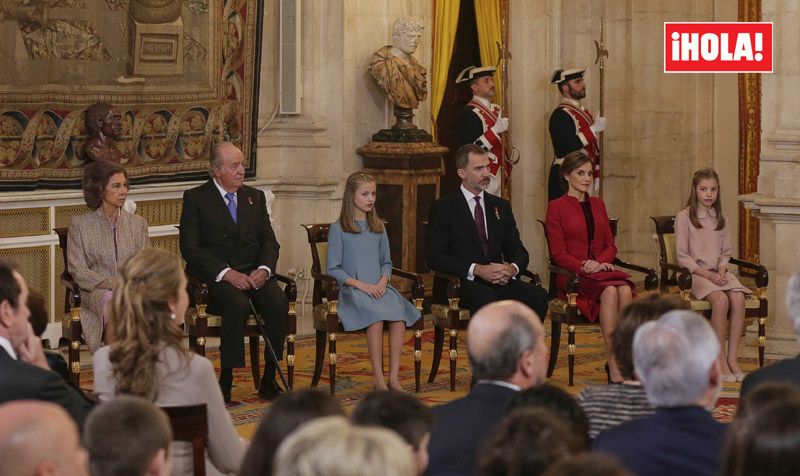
(376, 290)
(720, 278)
(591, 266)
(245, 282)
(495, 273)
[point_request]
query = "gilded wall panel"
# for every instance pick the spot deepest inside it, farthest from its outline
(160, 212)
(33, 263)
(24, 222)
(63, 214)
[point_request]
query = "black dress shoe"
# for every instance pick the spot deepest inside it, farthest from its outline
(269, 390)
(226, 383)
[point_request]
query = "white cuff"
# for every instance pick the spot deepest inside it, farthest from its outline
(471, 272)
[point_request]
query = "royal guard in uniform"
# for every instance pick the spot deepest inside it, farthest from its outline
(481, 121)
(572, 128)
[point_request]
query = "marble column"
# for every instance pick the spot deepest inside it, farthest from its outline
(777, 201)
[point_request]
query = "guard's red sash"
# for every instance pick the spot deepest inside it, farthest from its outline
(583, 122)
(489, 117)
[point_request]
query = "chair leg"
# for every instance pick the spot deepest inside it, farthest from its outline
(75, 363)
(453, 357)
(417, 358)
(555, 344)
(332, 361)
(255, 359)
(438, 344)
(571, 352)
(290, 359)
(762, 340)
(319, 357)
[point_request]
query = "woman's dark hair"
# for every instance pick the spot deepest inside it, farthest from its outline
(766, 393)
(39, 316)
(648, 308)
(562, 404)
(573, 161)
(588, 464)
(764, 443)
(287, 413)
(526, 442)
(400, 412)
(95, 178)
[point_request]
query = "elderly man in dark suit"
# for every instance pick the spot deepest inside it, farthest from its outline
(506, 349)
(473, 235)
(787, 370)
(24, 373)
(227, 241)
(676, 359)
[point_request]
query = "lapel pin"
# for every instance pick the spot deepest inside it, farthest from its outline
(497, 213)
(250, 200)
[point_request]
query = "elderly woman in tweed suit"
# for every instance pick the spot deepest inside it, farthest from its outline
(99, 241)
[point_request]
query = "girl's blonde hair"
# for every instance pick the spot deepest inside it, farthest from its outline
(141, 320)
(694, 202)
(346, 220)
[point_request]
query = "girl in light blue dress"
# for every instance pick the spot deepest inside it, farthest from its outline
(358, 257)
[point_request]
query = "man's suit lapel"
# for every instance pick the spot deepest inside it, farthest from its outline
(218, 206)
(493, 222)
(463, 215)
(246, 208)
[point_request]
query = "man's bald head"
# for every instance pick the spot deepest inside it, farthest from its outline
(505, 341)
(39, 438)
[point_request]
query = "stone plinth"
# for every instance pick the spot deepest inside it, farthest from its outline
(157, 48)
(780, 252)
(408, 182)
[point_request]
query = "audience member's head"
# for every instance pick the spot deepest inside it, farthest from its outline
(526, 442)
(506, 342)
(147, 310)
(14, 312)
(95, 180)
(765, 443)
(39, 317)
(39, 438)
(559, 402)
(128, 436)
(676, 359)
(402, 413)
(793, 302)
(286, 413)
(649, 308)
(332, 446)
(765, 394)
(588, 464)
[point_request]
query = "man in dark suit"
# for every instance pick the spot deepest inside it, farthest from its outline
(227, 241)
(24, 373)
(473, 235)
(787, 370)
(677, 361)
(506, 349)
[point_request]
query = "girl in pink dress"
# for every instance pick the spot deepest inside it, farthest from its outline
(703, 245)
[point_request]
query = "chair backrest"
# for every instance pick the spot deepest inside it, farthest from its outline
(190, 423)
(318, 241)
(62, 233)
(665, 235)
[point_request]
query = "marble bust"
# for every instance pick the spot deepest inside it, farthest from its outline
(402, 79)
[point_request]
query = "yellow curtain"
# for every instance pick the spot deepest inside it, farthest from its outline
(487, 17)
(445, 23)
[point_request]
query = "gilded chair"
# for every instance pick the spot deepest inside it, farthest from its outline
(325, 300)
(71, 329)
(566, 310)
(678, 279)
(190, 423)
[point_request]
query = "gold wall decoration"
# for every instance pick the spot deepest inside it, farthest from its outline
(749, 142)
(16, 222)
(82, 52)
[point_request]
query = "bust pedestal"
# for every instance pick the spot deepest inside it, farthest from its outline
(408, 182)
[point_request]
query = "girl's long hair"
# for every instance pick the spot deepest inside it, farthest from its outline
(141, 320)
(694, 202)
(346, 217)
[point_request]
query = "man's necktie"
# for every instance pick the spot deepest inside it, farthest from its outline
(232, 206)
(480, 223)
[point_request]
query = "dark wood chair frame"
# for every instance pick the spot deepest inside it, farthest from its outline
(71, 329)
(452, 323)
(572, 316)
(190, 423)
(674, 275)
(327, 286)
(199, 329)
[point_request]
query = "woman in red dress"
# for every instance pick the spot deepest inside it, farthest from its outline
(580, 239)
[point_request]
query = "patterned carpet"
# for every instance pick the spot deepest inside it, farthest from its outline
(354, 379)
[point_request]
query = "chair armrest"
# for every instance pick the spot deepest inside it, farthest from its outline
(417, 286)
(573, 284)
(651, 279)
(762, 275)
(684, 275)
(453, 284)
(290, 288)
(331, 285)
(534, 277)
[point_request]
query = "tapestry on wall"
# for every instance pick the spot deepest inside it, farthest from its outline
(180, 72)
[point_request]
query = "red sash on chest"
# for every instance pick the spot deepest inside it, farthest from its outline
(489, 118)
(583, 122)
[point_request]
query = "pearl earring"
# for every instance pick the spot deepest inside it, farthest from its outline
(172, 316)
